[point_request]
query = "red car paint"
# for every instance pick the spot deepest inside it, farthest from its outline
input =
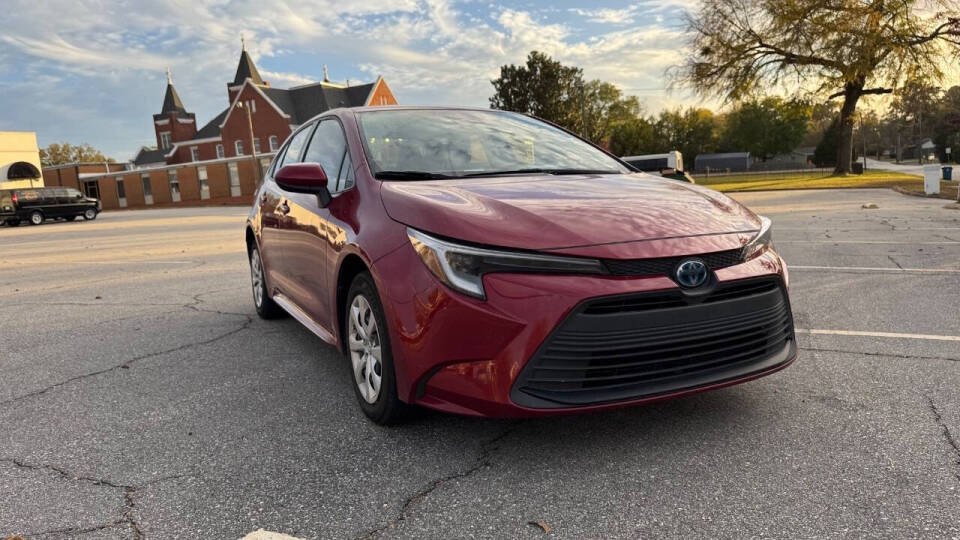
(461, 354)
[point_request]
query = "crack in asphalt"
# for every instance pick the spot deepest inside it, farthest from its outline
(947, 435)
(129, 490)
(482, 461)
(894, 261)
(195, 301)
(891, 355)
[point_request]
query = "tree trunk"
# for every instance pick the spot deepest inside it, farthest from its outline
(851, 95)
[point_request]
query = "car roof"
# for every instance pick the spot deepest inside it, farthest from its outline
(341, 111)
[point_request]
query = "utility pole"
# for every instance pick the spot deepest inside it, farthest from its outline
(253, 146)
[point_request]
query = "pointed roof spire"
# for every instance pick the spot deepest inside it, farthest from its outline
(326, 78)
(171, 101)
(243, 42)
(246, 69)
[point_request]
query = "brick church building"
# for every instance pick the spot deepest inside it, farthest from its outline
(274, 113)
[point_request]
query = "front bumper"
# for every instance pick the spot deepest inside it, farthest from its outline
(462, 355)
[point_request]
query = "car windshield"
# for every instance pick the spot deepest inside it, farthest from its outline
(448, 143)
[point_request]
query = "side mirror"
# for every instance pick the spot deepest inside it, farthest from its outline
(304, 178)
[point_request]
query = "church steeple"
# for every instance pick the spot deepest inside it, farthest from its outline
(246, 69)
(171, 101)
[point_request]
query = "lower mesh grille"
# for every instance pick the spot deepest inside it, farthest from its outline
(635, 346)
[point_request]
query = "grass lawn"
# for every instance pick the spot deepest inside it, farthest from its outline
(873, 178)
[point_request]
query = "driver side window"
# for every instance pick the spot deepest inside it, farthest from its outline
(328, 147)
(291, 153)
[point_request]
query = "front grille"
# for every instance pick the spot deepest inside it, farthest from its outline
(665, 266)
(615, 349)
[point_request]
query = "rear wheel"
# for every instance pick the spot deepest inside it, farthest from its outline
(368, 347)
(36, 217)
(90, 214)
(266, 307)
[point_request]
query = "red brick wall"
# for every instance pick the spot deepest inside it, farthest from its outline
(267, 121)
(189, 184)
(108, 192)
(178, 131)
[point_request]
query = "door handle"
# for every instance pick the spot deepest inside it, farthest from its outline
(284, 208)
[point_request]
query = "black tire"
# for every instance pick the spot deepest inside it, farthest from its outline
(386, 408)
(90, 214)
(266, 307)
(36, 217)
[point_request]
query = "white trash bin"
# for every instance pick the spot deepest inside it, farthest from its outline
(931, 179)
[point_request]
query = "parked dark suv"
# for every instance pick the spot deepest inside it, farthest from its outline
(37, 204)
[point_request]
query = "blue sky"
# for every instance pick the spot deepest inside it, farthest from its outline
(93, 70)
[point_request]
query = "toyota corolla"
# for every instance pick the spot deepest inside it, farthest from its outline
(488, 263)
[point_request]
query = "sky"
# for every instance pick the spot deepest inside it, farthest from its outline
(94, 70)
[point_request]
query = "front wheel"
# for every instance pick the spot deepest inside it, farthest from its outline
(266, 307)
(90, 214)
(36, 218)
(368, 347)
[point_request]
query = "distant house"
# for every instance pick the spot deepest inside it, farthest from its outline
(729, 161)
(926, 149)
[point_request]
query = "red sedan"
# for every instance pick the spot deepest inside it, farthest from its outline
(488, 263)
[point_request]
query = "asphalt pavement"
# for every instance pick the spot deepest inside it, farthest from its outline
(142, 398)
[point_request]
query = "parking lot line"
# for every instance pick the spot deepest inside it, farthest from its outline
(892, 242)
(929, 337)
(879, 269)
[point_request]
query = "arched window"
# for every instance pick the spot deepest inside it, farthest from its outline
(22, 170)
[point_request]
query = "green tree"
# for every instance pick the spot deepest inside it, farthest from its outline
(61, 153)
(634, 136)
(543, 87)
(603, 107)
(692, 131)
(766, 127)
(547, 89)
(838, 48)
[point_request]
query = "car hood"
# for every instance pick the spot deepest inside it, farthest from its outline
(565, 212)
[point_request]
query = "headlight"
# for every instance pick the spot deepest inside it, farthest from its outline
(760, 243)
(462, 267)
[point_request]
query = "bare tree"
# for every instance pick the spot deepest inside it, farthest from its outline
(834, 48)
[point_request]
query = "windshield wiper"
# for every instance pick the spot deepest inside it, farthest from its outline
(541, 171)
(410, 175)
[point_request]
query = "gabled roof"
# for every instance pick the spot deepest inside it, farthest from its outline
(246, 70)
(149, 155)
(171, 101)
(212, 128)
(304, 102)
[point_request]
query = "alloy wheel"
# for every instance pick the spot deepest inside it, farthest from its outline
(89, 214)
(256, 277)
(365, 351)
(36, 218)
